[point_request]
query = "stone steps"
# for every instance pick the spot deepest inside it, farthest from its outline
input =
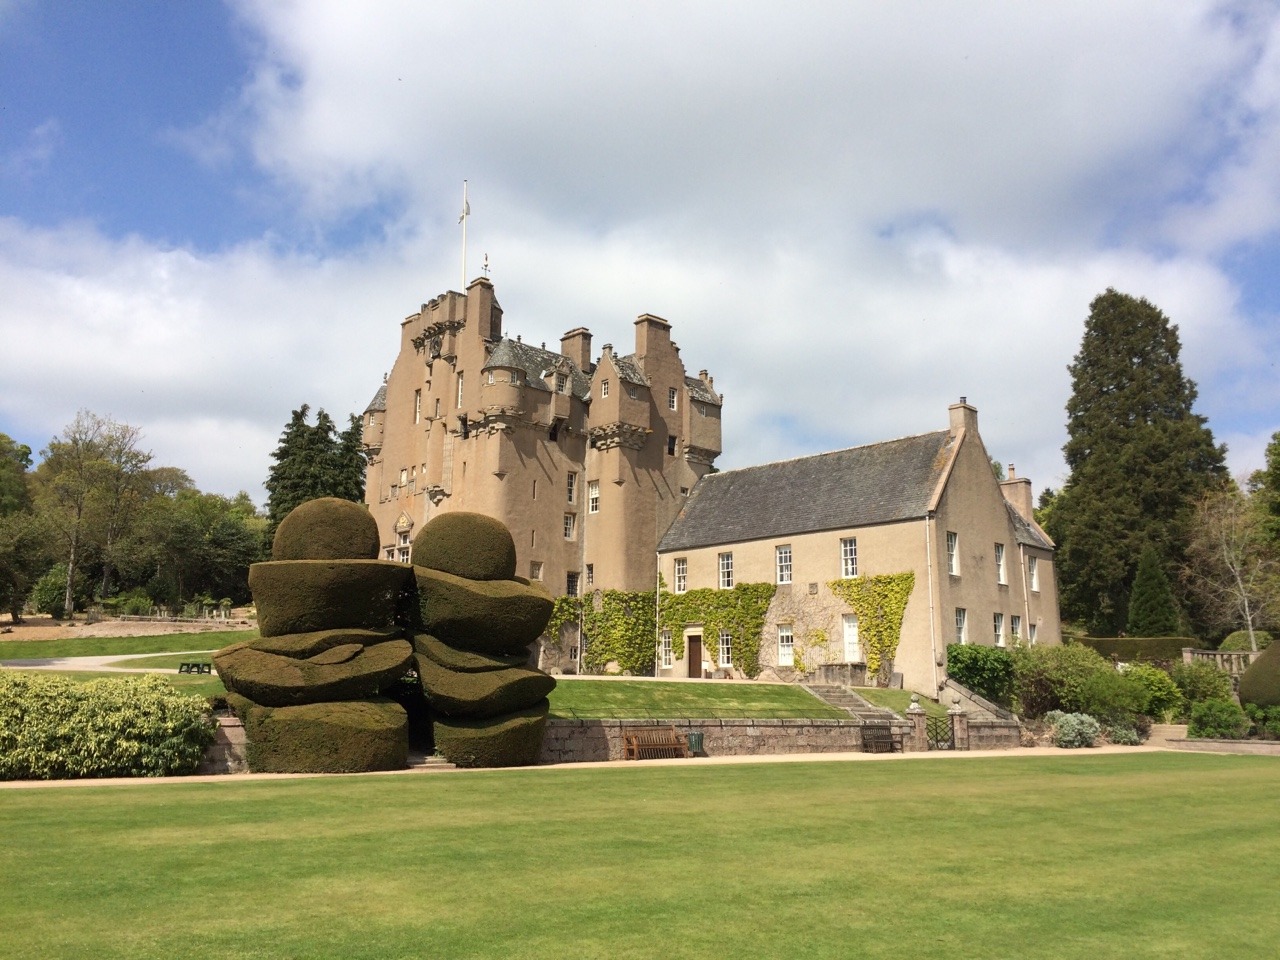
(421, 761)
(842, 698)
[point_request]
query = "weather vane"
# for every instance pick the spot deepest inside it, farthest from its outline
(485, 268)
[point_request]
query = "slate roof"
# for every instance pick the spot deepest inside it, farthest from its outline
(1025, 533)
(878, 483)
(629, 370)
(699, 391)
(379, 401)
(536, 362)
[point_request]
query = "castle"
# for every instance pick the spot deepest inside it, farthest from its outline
(586, 461)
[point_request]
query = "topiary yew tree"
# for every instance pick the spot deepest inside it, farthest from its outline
(1138, 456)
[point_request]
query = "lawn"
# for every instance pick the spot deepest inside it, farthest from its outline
(898, 700)
(107, 646)
(643, 699)
(1083, 857)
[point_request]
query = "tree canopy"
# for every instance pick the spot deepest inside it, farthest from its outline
(1138, 456)
(314, 461)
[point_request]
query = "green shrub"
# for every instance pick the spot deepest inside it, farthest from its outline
(1217, 720)
(347, 672)
(52, 728)
(489, 693)
(511, 741)
(327, 528)
(50, 592)
(1076, 730)
(1200, 681)
(987, 671)
(1162, 696)
(468, 545)
(135, 603)
(1052, 678)
(1122, 735)
(1239, 640)
(1111, 697)
(1265, 720)
(355, 736)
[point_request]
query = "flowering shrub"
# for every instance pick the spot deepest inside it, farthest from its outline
(52, 728)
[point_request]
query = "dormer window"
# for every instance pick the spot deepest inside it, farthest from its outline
(562, 383)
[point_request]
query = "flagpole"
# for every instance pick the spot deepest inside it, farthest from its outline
(466, 212)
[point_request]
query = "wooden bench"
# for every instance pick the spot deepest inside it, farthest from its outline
(641, 743)
(196, 667)
(879, 738)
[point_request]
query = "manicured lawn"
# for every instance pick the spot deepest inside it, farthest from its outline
(166, 661)
(641, 699)
(106, 646)
(1082, 857)
(898, 700)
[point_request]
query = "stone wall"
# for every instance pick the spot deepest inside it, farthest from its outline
(994, 734)
(577, 741)
(227, 752)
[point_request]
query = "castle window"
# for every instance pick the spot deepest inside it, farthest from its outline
(570, 523)
(725, 658)
(459, 389)
(591, 574)
(671, 445)
(672, 397)
(682, 574)
(562, 383)
(726, 571)
(782, 558)
(571, 485)
(535, 570)
(604, 388)
(490, 380)
(571, 584)
(417, 406)
(403, 555)
(1015, 627)
(437, 408)
(668, 658)
(786, 646)
(962, 617)
(1000, 575)
(953, 553)
(632, 392)
(593, 496)
(1033, 573)
(848, 557)
(997, 628)
(1031, 634)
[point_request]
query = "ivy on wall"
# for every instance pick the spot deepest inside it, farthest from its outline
(879, 603)
(566, 611)
(620, 626)
(740, 612)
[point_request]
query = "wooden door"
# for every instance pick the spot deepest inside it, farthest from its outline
(694, 645)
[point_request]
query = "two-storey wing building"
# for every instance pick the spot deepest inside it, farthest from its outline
(930, 505)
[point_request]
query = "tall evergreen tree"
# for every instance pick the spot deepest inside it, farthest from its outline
(1153, 612)
(1137, 454)
(314, 461)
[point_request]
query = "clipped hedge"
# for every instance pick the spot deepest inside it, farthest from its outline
(484, 616)
(275, 681)
(465, 661)
(304, 645)
(511, 741)
(327, 529)
(1139, 648)
(491, 693)
(52, 728)
(468, 545)
(1239, 640)
(1260, 683)
(304, 596)
(987, 671)
(355, 736)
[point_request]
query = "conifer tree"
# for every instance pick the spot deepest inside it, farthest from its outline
(1137, 454)
(313, 461)
(1153, 611)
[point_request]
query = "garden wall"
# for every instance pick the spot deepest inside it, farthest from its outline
(577, 741)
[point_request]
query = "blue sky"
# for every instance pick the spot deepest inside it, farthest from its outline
(852, 213)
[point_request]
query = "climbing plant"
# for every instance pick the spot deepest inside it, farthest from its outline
(879, 603)
(740, 612)
(566, 611)
(619, 627)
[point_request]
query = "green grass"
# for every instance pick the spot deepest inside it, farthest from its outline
(106, 646)
(1144, 857)
(898, 700)
(167, 661)
(632, 699)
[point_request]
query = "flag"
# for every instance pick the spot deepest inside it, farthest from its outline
(466, 210)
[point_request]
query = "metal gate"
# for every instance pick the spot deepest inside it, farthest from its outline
(940, 733)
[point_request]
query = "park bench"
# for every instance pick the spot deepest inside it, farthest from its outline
(879, 738)
(641, 743)
(196, 667)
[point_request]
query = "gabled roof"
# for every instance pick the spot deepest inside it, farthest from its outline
(379, 401)
(878, 483)
(536, 362)
(1027, 534)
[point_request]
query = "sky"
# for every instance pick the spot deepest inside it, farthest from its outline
(852, 213)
